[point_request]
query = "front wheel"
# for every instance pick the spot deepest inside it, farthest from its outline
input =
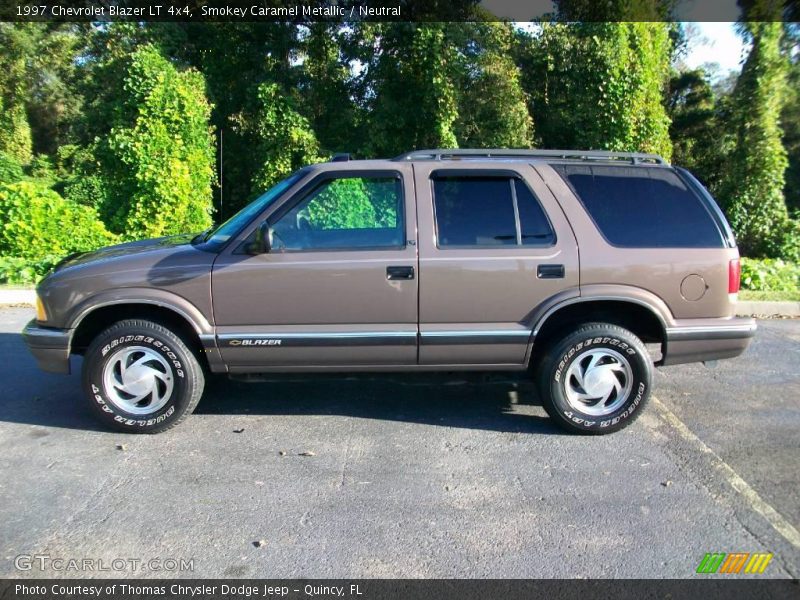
(596, 379)
(141, 378)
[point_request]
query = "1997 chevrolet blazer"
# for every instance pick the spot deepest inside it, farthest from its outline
(562, 262)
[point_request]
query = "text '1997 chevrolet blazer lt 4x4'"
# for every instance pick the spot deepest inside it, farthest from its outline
(564, 263)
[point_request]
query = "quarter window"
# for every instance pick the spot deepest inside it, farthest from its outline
(344, 213)
(642, 207)
(488, 211)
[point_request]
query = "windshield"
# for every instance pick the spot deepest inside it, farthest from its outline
(237, 222)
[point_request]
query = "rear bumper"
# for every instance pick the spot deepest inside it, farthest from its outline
(694, 340)
(49, 346)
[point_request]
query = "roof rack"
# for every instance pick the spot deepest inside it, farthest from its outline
(577, 155)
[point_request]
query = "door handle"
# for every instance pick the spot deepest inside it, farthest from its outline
(399, 273)
(550, 272)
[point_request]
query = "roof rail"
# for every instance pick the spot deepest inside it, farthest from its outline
(577, 155)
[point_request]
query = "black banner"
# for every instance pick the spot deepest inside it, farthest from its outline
(390, 10)
(372, 589)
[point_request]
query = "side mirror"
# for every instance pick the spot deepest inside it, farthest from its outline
(262, 243)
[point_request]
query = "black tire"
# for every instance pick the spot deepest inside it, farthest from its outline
(170, 369)
(570, 357)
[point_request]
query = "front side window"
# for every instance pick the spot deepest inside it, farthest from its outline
(488, 211)
(344, 213)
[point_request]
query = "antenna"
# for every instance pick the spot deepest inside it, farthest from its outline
(220, 174)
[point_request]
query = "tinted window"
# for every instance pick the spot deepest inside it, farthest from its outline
(479, 211)
(535, 227)
(642, 207)
(348, 212)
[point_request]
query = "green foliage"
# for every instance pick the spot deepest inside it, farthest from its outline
(492, 107)
(81, 181)
(790, 121)
(770, 275)
(753, 189)
(41, 168)
(35, 222)
(700, 140)
(599, 85)
(788, 241)
(158, 157)
(23, 271)
(353, 203)
(15, 132)
(10, 170)
(283, 138)
(414, 98)
(327, 88)
(343, 204)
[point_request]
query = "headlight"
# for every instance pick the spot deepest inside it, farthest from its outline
(41, 313)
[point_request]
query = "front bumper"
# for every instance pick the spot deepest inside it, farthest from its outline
(695, 340)
(49, 346)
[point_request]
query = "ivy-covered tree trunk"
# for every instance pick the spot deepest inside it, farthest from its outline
(283, 139)
(411, 84)
(15, 133)
(158, 158)
(753, 189)
(492, 106)
(599, 85)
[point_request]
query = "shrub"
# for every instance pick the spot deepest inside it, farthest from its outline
(770, 275)
(10, 169)
(23, 271)
(41, 168)
(158, 157)
(35, 223)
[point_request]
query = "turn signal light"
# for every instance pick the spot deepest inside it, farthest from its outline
(41, 313)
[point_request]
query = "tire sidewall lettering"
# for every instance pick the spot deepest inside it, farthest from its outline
(631, 405)
(122, 417)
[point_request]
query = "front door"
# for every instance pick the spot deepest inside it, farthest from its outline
(338, 288)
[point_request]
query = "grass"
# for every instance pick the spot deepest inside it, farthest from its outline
(769, 296)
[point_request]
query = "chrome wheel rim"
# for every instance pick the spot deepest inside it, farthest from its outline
(598, 382)
(138, 380)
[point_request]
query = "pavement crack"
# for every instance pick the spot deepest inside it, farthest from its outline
(347, 449)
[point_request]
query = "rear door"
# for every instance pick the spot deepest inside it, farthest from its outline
(339, 287)
(494, 244)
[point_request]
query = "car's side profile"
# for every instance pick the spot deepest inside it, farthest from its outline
(564, 263)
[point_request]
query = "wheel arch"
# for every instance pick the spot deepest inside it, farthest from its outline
(635, 314)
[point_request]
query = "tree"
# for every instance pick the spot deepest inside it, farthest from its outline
(16, 41)
(700, 140)
(158, 157)
(599, 85)
(412, 98)
(492, 107)
(284, 140)
(327, 88)
(753, 188)
(790, 120)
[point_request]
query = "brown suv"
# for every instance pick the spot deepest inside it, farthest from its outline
(562, 262)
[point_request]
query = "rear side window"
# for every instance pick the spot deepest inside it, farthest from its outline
(488, 211)
(642, 207)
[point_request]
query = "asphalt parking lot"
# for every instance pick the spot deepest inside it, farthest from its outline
(406, 476)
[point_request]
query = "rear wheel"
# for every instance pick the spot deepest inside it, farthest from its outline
(141, 378)
(595, 379)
